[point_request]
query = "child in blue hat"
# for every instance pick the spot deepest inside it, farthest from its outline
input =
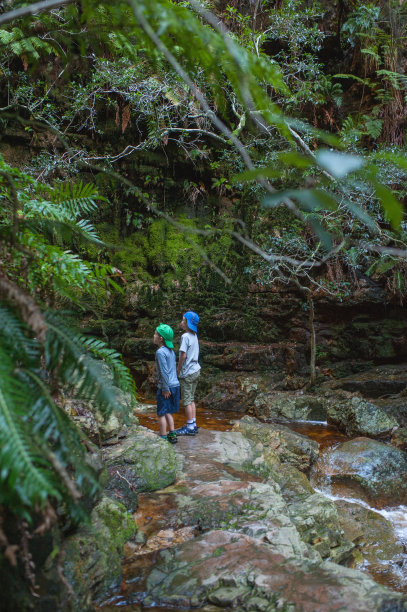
(188, 371)
(168, 391)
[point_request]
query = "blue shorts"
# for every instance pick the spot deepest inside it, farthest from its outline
(169, 405)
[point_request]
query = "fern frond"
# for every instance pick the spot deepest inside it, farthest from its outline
(23, 468)
(14, 336)
(122, 376)
(79, 198)
(86, 376)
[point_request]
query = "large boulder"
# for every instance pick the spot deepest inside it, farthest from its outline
(316, 519)
(290, 406)
(374, 382)
(372, 469)
(143, 459)
(290, 447)
(90, 559)
(233, 391)
(358, 417)
(377, 546)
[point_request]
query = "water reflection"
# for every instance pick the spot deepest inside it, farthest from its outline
(207, 419)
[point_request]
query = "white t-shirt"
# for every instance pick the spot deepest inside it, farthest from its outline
(190, 346)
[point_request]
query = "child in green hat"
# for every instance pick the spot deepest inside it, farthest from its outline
(168, 392)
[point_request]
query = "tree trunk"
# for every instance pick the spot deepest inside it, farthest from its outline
(313, 346)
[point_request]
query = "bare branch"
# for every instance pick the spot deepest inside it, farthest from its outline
(385, 250)
(32, 9)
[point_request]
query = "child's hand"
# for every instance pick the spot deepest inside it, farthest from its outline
(166, 394)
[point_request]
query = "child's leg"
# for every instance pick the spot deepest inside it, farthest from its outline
(170, 422)
(163, 424)
(172, 436)
(189, 412)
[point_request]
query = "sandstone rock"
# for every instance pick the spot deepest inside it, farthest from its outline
(374, 382)
(92, 556)
(144, 459)
(372, 469)
(316, 519)
(399, 439)
(290, 407)
(373, 536)
(358, 417)
(291, 447)
(235, 571)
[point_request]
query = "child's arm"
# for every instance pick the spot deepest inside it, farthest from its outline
(182, 357)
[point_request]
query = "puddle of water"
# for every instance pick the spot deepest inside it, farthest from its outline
(326, 435)
(207, 419)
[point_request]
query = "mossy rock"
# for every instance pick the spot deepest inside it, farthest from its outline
(150, 460)
(92, 556)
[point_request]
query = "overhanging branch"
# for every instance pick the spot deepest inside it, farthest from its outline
(32, 9)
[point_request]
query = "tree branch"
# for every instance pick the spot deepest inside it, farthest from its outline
(32, 9)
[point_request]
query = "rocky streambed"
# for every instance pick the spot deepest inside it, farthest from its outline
(261, 511)
(241, 527)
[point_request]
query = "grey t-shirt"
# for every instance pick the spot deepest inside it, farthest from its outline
(166, 368)
(190, 346)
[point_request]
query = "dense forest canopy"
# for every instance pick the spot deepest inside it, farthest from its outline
(289, 119)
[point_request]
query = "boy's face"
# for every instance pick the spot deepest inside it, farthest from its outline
(184, 324)
(157, 338)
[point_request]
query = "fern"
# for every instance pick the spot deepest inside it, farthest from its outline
(42, 456)
(66, 353)
(21, 44)
(100, 349)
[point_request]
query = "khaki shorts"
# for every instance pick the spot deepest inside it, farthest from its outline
(188, 387)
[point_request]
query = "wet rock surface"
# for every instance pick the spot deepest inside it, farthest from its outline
(241, 529)
(91, 558)
(374, 470)
(289, 446)
(374, 538)
(358, 417)
(142, 462)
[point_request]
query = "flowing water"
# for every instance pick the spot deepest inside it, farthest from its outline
(391, 572)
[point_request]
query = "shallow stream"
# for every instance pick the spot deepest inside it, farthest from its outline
(390, 572)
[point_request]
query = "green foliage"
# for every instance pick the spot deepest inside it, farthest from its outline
(20, 44)
(362, 22)
(42, 456)
(167, 72)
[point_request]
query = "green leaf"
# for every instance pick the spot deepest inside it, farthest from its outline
(294, 159)
(338, 164)
(392, 207)
(256, 173)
